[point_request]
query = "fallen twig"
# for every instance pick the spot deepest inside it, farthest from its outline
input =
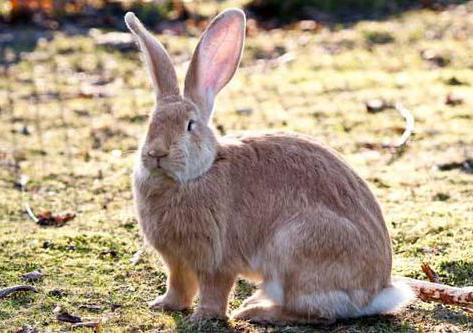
(436, 292)
(10, 290)
(395, 148)
(95, 325)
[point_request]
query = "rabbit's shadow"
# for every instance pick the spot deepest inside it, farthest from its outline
(402, 322)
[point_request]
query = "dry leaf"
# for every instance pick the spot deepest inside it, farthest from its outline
(48, 219)
(453, 100)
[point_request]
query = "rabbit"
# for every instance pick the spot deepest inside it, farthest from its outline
(279, 209)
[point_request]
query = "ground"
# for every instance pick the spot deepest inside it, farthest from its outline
(72, 114)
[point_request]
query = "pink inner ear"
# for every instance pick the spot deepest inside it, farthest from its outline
(220, 54)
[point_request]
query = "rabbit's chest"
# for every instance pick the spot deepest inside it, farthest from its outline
(161, 225)
(175, 229)
(177, 221)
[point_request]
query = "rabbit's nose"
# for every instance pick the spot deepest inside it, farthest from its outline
(157, 154)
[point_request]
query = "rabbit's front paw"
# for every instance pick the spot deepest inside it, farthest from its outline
(166, 303)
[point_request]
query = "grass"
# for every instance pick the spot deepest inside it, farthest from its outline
(77, 152)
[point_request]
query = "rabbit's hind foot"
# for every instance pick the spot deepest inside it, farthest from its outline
(264, 313)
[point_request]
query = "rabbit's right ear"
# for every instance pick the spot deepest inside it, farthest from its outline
(215, 59)
(159, 64)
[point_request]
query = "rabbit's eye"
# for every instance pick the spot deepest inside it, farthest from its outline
(190, 125)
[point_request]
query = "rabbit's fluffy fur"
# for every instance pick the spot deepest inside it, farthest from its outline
(280, 209)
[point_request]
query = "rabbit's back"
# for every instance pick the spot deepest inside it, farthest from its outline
(294, 171)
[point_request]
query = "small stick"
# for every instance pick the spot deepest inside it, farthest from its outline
(409, 125)
(431, 274)
(137, 256)
(10, 290)
(95, 325)
(30, 213)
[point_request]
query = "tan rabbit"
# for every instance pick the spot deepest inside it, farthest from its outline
(280, 209)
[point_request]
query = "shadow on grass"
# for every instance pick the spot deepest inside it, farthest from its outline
(270, 14)
(402, 322)
(16, 302)
(14, 41)
(378, 324)
(448, 314)
(387, 323)
(18, 39)
(279, 12)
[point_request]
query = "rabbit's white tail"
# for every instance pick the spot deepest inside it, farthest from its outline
(390, 299)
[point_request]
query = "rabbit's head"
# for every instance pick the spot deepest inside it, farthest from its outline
(179, 142)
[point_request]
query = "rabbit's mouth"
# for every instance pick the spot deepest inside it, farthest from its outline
(158, 166)
(152, 164)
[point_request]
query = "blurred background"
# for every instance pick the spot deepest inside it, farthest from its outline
(74, 101)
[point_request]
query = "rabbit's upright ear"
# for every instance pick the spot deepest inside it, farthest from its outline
(215, 59)
(159, 64)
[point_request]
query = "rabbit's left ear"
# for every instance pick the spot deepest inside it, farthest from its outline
(215, 59)
(158, 62)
